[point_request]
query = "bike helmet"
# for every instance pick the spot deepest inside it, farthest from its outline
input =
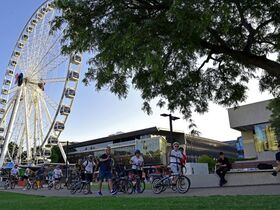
(137, 151)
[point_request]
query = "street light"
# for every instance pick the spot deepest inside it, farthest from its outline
(171, 118)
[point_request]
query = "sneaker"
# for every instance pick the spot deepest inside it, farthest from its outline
(274, 173)
(24, 189)
(113, 192)
(99, 193)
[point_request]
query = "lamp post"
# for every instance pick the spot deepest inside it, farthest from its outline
(171, 118)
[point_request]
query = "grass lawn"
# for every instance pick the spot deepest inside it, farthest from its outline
(13, 201)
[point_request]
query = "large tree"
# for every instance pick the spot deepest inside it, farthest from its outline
(185, 52)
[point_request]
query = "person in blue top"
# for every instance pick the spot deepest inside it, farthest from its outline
(105, 170)
(277, 157)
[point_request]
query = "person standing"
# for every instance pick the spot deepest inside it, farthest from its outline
(223, 166)
(26, 176)
(137, 163)
(175, 159)
(105, 170)
(277, 157)
(89, 168)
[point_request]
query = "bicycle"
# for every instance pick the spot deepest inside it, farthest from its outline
(11, 182)
(80, 185)
(181, 185)
(54, 183)
(122, 184)
(138, 184)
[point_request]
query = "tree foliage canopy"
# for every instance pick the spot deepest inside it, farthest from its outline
(186, 52)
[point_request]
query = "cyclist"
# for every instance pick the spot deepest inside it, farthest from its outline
(40, 176)
(137, 163)
(57, 174)
(26, 176)
(89, 166)
(175, 160)
(14, 173)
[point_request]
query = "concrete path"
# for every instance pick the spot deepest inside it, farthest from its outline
(243, 190)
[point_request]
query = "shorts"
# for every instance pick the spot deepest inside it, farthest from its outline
(88, 177)
(175, 169)
(105, 175)
(25, 177)
(137, 172)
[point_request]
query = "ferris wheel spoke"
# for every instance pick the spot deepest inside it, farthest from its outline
(50, 101)
(46, 110)
(54, 80)
(52, 63)
(37, 67)
(40, 122)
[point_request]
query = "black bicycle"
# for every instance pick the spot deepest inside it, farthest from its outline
(11, 182)
(178, 183)
(80, 186)
(122, 184)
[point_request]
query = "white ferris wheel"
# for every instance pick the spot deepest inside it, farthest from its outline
(38, 91)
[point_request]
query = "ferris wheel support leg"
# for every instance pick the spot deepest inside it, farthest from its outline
(62, 152)
(10, 127)
(28, 149)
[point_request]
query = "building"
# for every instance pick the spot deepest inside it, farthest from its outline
(154, 143)
(253, 121)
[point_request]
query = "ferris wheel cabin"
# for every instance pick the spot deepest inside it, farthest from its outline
(16, 54)
(50, 6)
(13, 63)
(47, 152)
(3, 101)
(2, 130)
(2, 111)
(76, 59)
(52, 140)
(29, 29)
(5, 92)
(7, 82)
(10, 72)
(65, 110)
(59, 126)
(34, 22)
(70, 93)
(24, 37)
(20, 45)
(74, 76)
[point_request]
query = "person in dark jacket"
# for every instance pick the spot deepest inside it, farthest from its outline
(277, 157)
(223, 166)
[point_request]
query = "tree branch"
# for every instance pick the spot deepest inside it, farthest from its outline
(206, 61)
(272, 67)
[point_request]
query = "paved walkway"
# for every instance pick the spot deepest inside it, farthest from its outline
(243, 190)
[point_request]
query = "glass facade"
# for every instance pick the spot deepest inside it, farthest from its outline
(264, 138)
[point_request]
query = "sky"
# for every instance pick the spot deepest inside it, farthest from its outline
(98, 114)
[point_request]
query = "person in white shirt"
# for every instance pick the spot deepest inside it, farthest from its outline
(89, 168)
(57, 173)
(15, 171)
(25, 177)
(174, 159)
(137, 162)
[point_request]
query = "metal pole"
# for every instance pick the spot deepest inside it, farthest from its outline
(171, 128)
(66, 162)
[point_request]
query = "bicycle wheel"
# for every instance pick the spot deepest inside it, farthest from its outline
(129, 187)
(86, 188)
(13, 185)
(141, 186)
(28, 186)
(50, 186)
(35, 185)
(157, 186)
(57, 185)
(6, 185)
(74, 188)
(183, 184)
